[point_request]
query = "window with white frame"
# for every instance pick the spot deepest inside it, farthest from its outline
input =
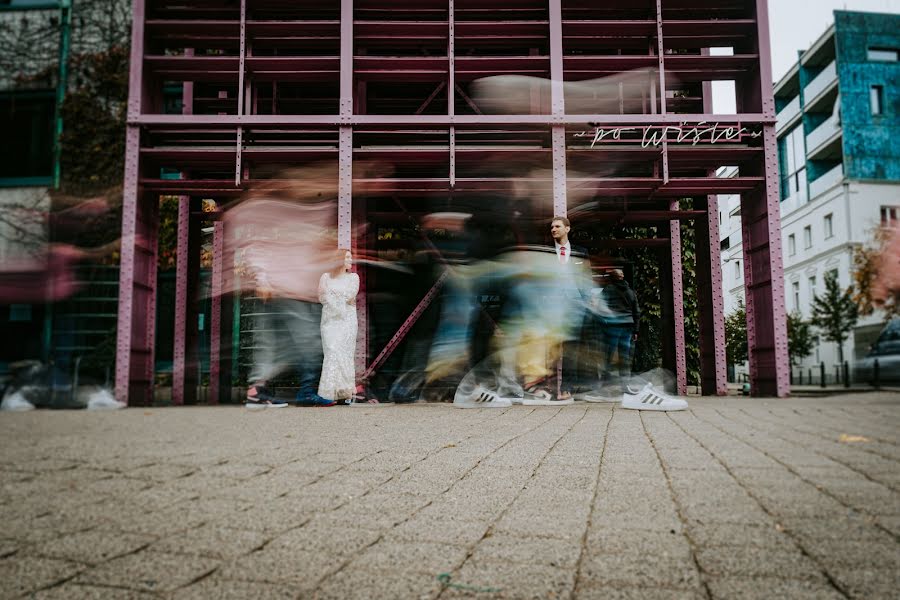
(812, 287)
(807, 236)
(889, 215)
(792, 156)
(737, 270)
(829, 225)
(876, 100)
(882, 54)
(795, 290)
(792, 244)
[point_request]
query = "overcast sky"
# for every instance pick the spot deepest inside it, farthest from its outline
(795, 25)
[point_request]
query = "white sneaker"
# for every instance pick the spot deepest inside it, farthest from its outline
(649, 398)
(480, 397)
(514, 396)
(597, 397)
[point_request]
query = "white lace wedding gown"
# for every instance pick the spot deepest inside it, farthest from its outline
(337, 295)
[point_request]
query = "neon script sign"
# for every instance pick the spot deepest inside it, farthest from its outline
(654, 135)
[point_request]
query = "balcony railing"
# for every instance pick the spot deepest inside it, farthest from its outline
(818, 85)
(821, 134)
(788, 112)
(826, 181)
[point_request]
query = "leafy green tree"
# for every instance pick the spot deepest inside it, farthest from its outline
(801, 338)
(835, 313)
(736, 335)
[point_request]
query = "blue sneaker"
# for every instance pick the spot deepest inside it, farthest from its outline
(312, 399)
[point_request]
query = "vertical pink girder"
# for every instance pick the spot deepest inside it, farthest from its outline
(764, 281)
(710, 302)
(710, 298)
(130, 326)
(346, 83)
(761, 231)
(558, 109)
(219, 358)
(345, 187)
(678, 302)
(180, 335)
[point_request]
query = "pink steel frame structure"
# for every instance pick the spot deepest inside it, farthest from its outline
(270, 81)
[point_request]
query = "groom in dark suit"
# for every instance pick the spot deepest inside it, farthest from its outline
(574, 288)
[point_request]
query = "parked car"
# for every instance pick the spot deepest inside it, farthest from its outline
(886, 350)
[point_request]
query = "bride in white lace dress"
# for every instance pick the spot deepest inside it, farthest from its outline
(337, 293)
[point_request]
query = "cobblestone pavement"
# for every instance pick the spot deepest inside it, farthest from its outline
(736, 498)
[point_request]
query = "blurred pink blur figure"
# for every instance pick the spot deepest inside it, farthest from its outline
(887, 280)
(46, 277)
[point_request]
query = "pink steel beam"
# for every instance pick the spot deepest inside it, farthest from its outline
(346, 83)
(179, 355)
(558, 109)
(678, 302)
(763, 268)
(128, 312)
(215, 317)
(710, 301)
(446, 120)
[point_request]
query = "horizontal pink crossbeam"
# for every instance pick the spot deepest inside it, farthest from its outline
(418, 121)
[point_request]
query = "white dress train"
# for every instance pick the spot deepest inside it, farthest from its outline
(338, 298)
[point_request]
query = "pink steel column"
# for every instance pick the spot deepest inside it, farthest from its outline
(183, 280)
(674, 226)
(761, 229)
(217, 286)
(130, 313)
(678, 302)
(558, 110)
(710, 303)
(451, 87)
(710, 300)
(345, 134)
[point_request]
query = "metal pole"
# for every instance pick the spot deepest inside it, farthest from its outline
(65, 21)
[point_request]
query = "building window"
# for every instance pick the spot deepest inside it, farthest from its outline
(795, 290)
(807, 236)
(792, 155)
(882, 54)
(876, 100)
(889, 216)
(792, 244)
(26, 120)
(812, 287)
(829, 229)
(737, 270)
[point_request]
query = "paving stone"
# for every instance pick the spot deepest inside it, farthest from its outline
(510, 580)
(297, 569)
(74, 591)
(429, 529)
(667, 545)
(326, 538)
(547, 552)
(763, 535)
(93, 546)
(588, 592)
(757, 562)
(225, 589)
(867, 583)
(149, 571)
(365, 585)
(616, 570)
(213, 541)
(424, 557)
(21, 575)
(766, 588)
